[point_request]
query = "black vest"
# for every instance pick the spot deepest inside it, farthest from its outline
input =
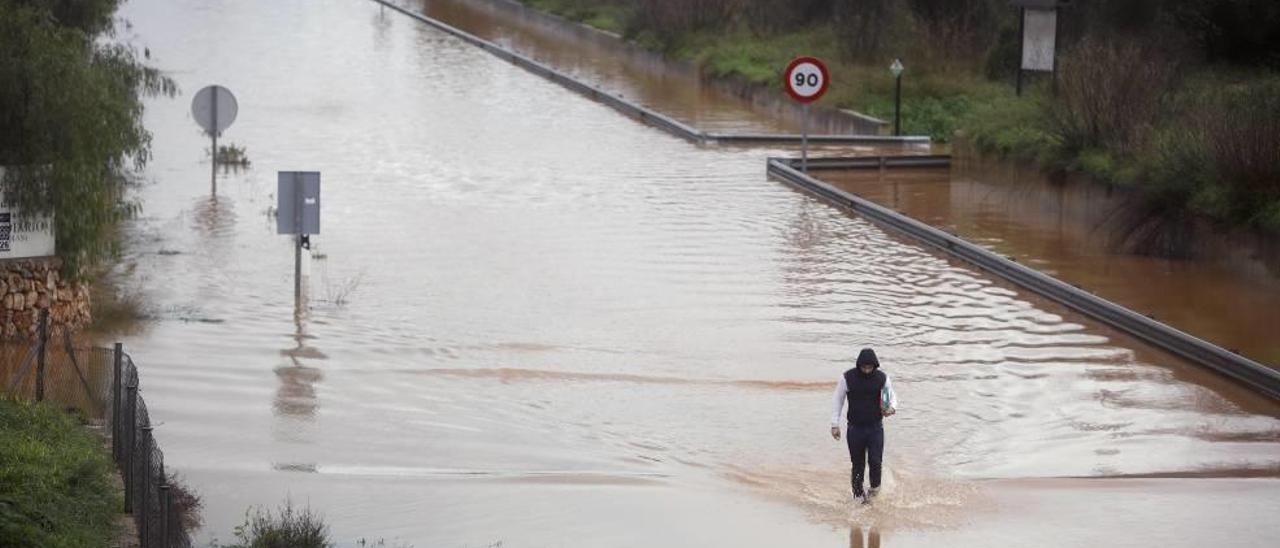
(864, 396)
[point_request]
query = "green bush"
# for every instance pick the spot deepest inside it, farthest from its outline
(55, 480)
(290, 527)
(609, 16)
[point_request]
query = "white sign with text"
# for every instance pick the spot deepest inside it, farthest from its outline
(23, 236)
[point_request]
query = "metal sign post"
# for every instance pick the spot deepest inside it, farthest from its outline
(214, 108)
(805, 80)
(896, 69)
(298, 213)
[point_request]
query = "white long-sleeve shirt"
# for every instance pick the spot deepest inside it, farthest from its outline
(837, 399)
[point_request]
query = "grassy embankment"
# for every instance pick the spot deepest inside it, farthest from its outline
(1197, 139)
(938, 95)
(55, 480)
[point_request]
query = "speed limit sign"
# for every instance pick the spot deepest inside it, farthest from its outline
(806, 79)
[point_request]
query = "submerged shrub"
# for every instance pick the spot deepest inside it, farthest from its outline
(289, 527)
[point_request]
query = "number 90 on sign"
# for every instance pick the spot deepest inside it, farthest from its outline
(806, 79)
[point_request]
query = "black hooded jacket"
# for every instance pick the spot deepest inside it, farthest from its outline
(864, 396)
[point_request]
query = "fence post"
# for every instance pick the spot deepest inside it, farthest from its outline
(166, 506)
(129, 450)
(146, 485)
(43, 334)
(115, 403)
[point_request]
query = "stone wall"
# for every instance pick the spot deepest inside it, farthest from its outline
(28, 286)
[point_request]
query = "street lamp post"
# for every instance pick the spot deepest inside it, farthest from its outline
(896, 68)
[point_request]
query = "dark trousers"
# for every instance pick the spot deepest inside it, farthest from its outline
(866, 448)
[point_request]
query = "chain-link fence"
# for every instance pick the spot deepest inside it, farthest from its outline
(101, 386)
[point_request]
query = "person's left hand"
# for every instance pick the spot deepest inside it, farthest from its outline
(888, 412)
(835, 433)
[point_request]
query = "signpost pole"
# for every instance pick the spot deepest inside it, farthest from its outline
(213, 155)
(297, 241)
(205, 109)
(298, 215)
(897, 105)
(1022, 44)
(805, 79)
(804, 141)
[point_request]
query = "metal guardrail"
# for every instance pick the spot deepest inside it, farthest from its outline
(873, 162)
(752, 138)
(1248, 372)
(644, 114)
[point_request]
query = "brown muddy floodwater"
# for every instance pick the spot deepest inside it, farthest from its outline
(534, 321)
(1228, 295)
(641, 77)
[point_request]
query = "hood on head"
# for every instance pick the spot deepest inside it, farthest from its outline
(868, 356)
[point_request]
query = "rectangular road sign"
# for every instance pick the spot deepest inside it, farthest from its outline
(1040, 29)
(298, 202)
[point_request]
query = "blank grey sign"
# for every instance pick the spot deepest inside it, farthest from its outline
(298, 202)
(1041, 29)
(211, 100)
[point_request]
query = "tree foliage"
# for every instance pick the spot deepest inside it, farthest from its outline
(71, 119)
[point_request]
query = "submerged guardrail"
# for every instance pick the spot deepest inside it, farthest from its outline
(874, 162)
(642, 113)
(1244, 370)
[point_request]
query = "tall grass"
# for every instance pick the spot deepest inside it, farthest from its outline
(1109, 94)
(1221, 152)
(670, 18)
(55, 487)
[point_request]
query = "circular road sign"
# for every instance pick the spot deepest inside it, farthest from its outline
(806, 79)
(214, 108)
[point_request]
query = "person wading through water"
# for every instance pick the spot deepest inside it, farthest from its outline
(871, 398)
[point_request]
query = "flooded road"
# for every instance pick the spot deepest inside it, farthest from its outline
(639, 76)
(536, 322)
(1227, 295)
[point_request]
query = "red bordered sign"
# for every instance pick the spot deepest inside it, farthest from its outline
(806, 79)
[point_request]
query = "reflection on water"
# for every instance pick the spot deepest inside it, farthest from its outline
(382, 29)
(629, 329)
(296, 396)
(856, 540)
(214, 219)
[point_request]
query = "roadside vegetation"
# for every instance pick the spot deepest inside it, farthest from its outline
(233, 155)
(55, 480)
(71, 128)
(1177, 99)
(289, 527)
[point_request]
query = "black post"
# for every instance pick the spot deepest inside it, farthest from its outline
(40, 358)
(116, 364)
(213, 158)
(1057, 38)
(1022, 30)
(897, 105)
(146, 485)
(129, 487)
(166, 505)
